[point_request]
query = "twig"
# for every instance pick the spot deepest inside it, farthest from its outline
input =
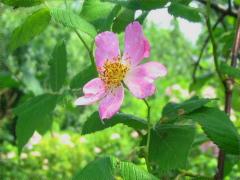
(214, 45)
(221, 9)
(196, 65)
(229, 83)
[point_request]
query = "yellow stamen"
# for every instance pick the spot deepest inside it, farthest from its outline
(113, 72)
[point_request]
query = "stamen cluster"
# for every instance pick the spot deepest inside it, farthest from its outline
(113, 73)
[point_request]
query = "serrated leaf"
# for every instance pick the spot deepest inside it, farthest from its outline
(122, 20)
(79, 80)
(31, 114)
(184, 11)
(129, 171)
(173, 111)
(94, 123)
(101, 14)
(229, 71)
(140, 4)
(21, 3)
(32, 26)
(58, 66)
(170, 146)
(72, 20)
(7, 81)
(218, 127)
(109, 168)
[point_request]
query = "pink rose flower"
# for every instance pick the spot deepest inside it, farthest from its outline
(115, 70)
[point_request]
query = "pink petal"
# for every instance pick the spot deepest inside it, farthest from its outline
(140, 79)
(136, 45)
(151, 69)
(93, 91)
(89, 99)
(94, 86)
(111, 103)
(107, 47)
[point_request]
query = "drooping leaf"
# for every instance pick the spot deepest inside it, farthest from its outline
(123, 19)
(218, 127)
(83, 77)
(21, 3)
(173, 111)
(32, 115)
(101, 14)
(7, 81)
(32, 26)
(184, 11)
(229, 71)
(58, 66)
(140, 4)
(170, 146)
(72, 20)
(111, 168)
(94, 123)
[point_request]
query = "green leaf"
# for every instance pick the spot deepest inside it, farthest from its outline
(21, 3)
(218, 127)
(94, 123)
(183, 11)
(83, 77)
(7, 81)
(123, 19)
(172, 111)
(58, 66)
(72, 20)
(101, 14)
(170, 146)
(129, 171)
(229, 71)
(109, 168)
(140, 4)
(32, 26)
(32, 116)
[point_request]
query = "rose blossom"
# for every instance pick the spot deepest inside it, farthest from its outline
(116, 70)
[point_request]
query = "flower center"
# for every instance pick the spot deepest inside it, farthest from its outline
(113, 73)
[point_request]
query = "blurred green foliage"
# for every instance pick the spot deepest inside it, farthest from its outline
(62, 151)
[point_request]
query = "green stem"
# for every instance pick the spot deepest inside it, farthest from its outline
(148, 135)
(89, 50)
(214, 45)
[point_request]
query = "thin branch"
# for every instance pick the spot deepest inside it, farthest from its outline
(214, 45)
(221, 9)
(196, 65)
